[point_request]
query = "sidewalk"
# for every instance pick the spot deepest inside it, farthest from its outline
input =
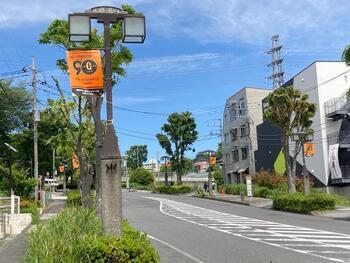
(13, 250)
(342, 213)
(236, 199)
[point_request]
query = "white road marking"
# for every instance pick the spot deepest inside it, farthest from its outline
(176, 249)
(271, 233)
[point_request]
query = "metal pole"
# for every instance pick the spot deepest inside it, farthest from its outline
(53, 163)
(305, 172)
(210, 183)
(35, 127)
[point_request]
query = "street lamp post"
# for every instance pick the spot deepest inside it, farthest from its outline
(10, 149)
(111, 174)
(303, 137)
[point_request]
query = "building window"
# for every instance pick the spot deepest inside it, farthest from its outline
(244, 153)
(235, 156)
(228, 158)
(242, 107)
(234, 134)
(244, 130)
(226, 140)
(225, 118)
(233, 112)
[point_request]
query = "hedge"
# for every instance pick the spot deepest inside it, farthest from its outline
(300, 203)
(75, 235)
(235, 189)
(176, 189)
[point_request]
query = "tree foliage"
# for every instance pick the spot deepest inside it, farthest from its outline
(136, 156)
(346, 55)
(179, 133)
(15, 108)
(290, 110)
(141, 176)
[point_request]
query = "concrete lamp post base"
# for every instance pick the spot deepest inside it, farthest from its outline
(111, 185)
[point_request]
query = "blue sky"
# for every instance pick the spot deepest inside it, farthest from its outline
(197, 53)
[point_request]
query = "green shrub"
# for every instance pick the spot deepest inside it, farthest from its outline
(262, 191)
(235, 189)
(63, 238)
(300, 203)
(133, 247)
(175, 189)
(32, 207)
(200, 192)
(75, 235)
(74, 198)
(141, 176)
(268, 179)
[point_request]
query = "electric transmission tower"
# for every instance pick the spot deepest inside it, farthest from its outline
(276, 63)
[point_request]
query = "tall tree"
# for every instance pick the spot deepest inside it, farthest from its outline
(15, 109)
(346, 55)
(289, 109)
(178, 135)
(136, 156)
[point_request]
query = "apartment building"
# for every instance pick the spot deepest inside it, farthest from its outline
(327, 84)
(243, 112)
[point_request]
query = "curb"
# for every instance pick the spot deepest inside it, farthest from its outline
(223, 200)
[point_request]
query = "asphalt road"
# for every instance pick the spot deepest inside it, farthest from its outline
(187, 229)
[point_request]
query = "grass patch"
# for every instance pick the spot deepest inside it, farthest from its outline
(75, 235)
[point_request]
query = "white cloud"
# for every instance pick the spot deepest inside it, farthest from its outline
(177, 64)
(299, 22)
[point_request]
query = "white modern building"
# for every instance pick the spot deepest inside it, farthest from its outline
(152, 165)
(243, 112)
(326, 83)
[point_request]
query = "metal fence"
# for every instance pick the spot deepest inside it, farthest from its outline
(335, 104)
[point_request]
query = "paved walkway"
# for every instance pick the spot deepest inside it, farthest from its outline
(236, 199)
(13, 250)
(342, 213)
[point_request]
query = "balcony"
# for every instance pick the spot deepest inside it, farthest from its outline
(337, 108)
(345, 169)
(341, 137)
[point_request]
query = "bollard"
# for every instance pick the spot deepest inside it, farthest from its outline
(242, 196)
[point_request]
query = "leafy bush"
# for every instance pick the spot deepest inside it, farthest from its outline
(235, 189)
(24, 185)
(262, 191)
(141, 176)
(175, 189)
(133, 247)
(300, 203)
(74, 198)
(63, 238)
(31, 207)
(268, 179)
(75, 235)
(200, 192)
(219, 178)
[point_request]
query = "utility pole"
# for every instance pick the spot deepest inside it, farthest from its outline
(250, 145)
(276, 63)
(218, 124)
(303, 137)
(36, 119)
